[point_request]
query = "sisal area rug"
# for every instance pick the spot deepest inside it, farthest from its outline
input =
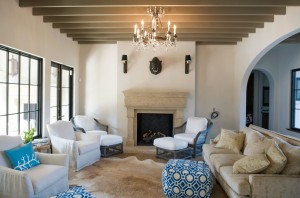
(126, 176)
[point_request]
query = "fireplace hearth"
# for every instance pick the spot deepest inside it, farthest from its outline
(151, 126)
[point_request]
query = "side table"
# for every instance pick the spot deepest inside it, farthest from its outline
(43, 148)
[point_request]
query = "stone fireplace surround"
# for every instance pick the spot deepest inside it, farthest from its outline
(152, 102)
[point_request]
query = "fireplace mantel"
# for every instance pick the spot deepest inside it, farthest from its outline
(153, 102)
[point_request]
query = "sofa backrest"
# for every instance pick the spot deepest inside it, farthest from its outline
(7, 143)
(292, 140)
(62, 129)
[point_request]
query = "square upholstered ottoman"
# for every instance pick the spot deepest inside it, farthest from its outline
(186, 178)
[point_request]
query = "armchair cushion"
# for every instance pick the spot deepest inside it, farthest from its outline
(195, 124)
(85, 122)
(22, 158)
(189, 137)
(62, 129)
(87, 146)
(97, 132)
(44, 176)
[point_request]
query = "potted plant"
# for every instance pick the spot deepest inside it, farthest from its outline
(28, 135)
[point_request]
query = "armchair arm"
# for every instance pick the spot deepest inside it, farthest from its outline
(15, 183)
(88, 136)
(178, 129)
(54, 159)
(64, 146)
(267, 185)
(101, 126)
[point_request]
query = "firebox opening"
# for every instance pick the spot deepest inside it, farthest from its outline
(153, 125)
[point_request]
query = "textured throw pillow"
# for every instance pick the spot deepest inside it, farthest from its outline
(259, 147)
(22, 158)
(277, 159)
(231, 140)
(251, 164)
(252, 136)
(293, 157)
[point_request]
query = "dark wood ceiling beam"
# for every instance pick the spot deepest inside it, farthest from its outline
(179, 24)
(179, 31)
(188, 35)
(172, 18)
(215, 43)
(134, 3)
(184, 39)
(204, 35)
(67, 11)
(97, 42)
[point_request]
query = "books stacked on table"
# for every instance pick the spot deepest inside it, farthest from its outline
(40, 141)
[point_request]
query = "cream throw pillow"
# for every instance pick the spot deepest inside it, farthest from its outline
(293, 157)
(252, 136)
(231, 140)
(277, 159)
(258, 147)
(251, 164)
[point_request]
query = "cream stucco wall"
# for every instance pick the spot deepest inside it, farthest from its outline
(103, 80)
(22, 31)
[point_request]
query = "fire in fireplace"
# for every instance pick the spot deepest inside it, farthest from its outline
(151, 126)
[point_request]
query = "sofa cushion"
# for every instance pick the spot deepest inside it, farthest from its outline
(237, 182)
(220, 160)
(258, 147)
(87, 146)
(277, 159)
(188, 137)
(209, 149)
(251, 164)
(293, 157)
(43, 176)
(231, 140)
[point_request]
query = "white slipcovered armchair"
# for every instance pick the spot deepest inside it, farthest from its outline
(194, 131)
(83, 149)
(47, 179)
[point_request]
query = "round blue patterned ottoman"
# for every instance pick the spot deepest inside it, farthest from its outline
(186, 178)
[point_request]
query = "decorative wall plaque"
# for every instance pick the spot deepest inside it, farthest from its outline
(155, 66)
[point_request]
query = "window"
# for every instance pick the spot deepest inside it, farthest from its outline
(61, 92)
(20, 92)
(295, 103)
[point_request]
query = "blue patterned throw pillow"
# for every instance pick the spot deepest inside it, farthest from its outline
(22, 158)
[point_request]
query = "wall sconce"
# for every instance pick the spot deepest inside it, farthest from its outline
(124, 59)
(187, 63)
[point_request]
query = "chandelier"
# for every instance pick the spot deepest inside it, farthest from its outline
(154, 37)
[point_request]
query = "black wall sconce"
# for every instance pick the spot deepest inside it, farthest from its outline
(188, 59)
(124, 59)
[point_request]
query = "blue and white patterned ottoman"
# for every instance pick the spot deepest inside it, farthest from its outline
(186, 178)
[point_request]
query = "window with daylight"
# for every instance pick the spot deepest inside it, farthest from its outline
(20, 92)
(295, 103)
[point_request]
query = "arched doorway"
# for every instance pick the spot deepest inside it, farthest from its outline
(258, 101)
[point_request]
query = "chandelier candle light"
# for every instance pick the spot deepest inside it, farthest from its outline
(155, 37)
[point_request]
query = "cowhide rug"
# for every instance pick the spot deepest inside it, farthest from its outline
(125, 178)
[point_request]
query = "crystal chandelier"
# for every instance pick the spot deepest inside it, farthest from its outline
(154, 37)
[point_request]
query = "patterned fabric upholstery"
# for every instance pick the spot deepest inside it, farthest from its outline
(186, 178)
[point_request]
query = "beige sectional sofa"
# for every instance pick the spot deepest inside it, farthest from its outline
(221, 163)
